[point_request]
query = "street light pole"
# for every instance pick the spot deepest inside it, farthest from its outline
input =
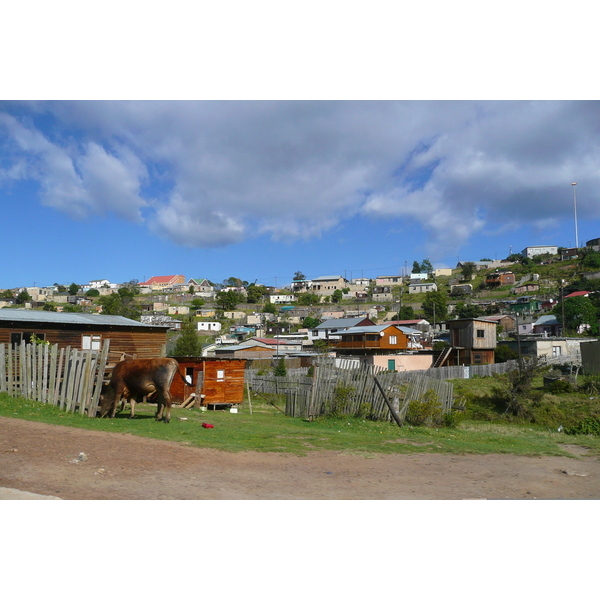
(575, 208)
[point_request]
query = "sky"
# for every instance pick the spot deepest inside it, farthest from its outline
(258, 141)
(261, 189)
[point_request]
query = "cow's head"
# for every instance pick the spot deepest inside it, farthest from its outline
(107, 399)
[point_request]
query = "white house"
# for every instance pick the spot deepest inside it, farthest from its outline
(209, 326)
(281, 298)
(532, 251)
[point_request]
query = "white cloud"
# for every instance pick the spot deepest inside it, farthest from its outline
(214, 173)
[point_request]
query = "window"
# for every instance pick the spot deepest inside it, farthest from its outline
(220, 375)
(393, 340)
(91, 342)
(480, 333)
(477, 359)
(16, 337)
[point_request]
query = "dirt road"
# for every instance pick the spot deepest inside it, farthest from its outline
(77, 464)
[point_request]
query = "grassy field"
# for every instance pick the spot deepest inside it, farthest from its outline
(269, 430)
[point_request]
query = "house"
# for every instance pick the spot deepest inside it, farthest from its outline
(214, 381)
(442, 272)
(472, 342)
(200, 285)
(248, 349)
(420, 324)
(526, 305)
(178, 310)
(330, 329)
(388, 280)
(532, 251)
(548, 325)
(551, 348)
(371, 339)
(282, 345)
(99, 283)
(382, 293)
(209, 326)
(461, 289)
(505, 321)
(281, 298)
(163, 282)
(593, 244)
(419, 288)
(326, 285)
(526, 288)
(234, 315)
(418, 277)
(83, 331)
(569, 253)
(500, 278)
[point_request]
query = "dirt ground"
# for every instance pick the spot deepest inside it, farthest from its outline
(49, 459)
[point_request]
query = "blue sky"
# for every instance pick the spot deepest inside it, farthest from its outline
(261, 189)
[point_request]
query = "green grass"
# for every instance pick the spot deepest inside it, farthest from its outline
(268, 430)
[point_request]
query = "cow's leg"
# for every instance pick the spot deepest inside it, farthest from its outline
(132, 401)
(167, 403)
(115, 404)
(159, 407)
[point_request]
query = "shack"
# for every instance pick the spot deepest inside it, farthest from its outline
(215, 381)
(83, 331)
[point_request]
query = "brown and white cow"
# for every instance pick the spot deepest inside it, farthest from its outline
(137, 378)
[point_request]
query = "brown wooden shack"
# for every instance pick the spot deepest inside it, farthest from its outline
(214, 380)
(83, 331)
(473, 342)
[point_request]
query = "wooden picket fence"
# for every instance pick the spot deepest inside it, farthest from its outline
(352, 390)
(68, 378)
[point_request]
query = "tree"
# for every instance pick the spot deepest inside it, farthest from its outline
(591, 259)
(73, 289)
(468, 311)
(406, 313)
(426, 266)
(271, 308)
(299, 276)
(49, 307)
(6, 295)
(337, 296)
(434, 305)
(22, 297)
(280, 370)
(188, 343)
(578, 310)
(93, 293)
(308, 299)
(310, 322)
(120, 304)
(416, 268)
(191, 289)
(468, 269)
(320, 346)
(197, 303)
(229, 300)
(255, 293)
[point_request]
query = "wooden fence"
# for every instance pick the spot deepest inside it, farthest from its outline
(68, 378)
(354, 391)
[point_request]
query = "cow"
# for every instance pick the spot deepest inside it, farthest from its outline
(137, 378)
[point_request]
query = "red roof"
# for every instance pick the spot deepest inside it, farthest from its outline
(574, 294)
(160, 279)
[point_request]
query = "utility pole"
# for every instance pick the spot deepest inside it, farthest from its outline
(575, 209)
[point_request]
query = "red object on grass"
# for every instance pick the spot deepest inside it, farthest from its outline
(207, 426)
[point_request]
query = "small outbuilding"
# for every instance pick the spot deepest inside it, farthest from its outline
(214, 381)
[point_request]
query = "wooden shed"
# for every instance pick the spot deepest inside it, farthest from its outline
(214, 380)
(473, 342)
(83, 331)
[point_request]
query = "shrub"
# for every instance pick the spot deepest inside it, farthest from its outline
(589, 426)
(425, 411)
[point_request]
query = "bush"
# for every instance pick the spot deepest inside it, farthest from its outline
(589, 426)
(425, 411)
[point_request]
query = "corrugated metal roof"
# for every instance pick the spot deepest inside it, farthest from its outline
(347, 322)
(41, 316)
